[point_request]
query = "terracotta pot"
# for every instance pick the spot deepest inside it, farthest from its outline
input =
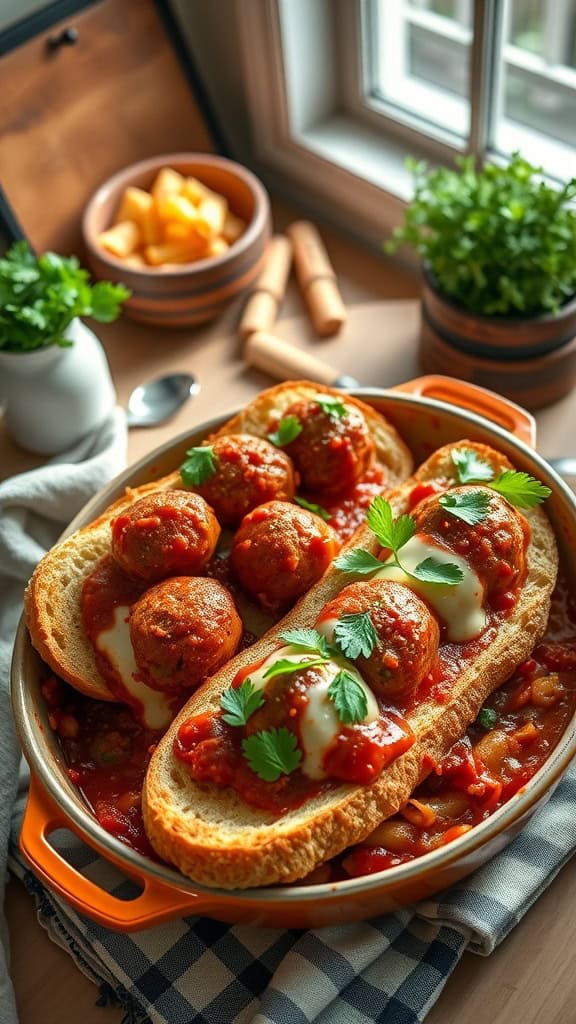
(530, 360)
(428, 413)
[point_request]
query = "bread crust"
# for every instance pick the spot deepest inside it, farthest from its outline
(52, 601)
(217, 840)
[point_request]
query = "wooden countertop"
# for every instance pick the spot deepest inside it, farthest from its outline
(530, 977)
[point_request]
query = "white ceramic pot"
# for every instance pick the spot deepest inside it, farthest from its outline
(53, 396)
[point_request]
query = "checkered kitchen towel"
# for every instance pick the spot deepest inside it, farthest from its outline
(198, 971)
(390, 969)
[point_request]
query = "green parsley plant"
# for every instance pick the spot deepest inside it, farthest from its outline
(498, 241)
(40, 296)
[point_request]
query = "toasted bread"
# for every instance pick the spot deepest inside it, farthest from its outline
(216, 839)
(53, 596)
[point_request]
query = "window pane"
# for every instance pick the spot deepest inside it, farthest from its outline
(418, 58)
(538, 84)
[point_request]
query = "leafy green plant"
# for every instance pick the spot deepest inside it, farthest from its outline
(40, 296)
(498, 241)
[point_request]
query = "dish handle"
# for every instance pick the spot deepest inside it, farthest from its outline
(158, 901)
(499, 410)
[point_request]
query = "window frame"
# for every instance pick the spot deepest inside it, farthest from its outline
(317, 140)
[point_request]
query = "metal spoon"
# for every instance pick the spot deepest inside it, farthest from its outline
(156, 400)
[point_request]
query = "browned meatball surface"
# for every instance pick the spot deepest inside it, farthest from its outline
(172, 533)
(407, 631)
(279, 551)
(183, 630)
(495, 548)
(332, 452)
(248, 472)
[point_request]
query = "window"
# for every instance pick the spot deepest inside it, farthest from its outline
(340, 91)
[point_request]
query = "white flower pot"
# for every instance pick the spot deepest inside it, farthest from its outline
(53, 396)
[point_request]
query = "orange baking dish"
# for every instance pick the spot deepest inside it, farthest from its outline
(428, 413)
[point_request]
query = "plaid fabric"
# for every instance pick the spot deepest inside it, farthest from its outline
(390, 969)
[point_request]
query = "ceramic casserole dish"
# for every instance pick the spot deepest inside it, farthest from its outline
(428, 413)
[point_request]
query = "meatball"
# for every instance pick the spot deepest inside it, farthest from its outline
(495, 548)
(249, 471)
(279, 551)
(182, 630)
(332, 452)
(171, 533)
(408, 634)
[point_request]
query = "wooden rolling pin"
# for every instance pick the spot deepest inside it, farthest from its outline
(284, 361)
(317, 279)
(261, 309)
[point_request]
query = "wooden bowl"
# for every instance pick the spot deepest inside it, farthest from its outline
(186, 294)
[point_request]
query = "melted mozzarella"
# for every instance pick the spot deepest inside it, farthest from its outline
(319, 721)
(116, 645)
(459, 606)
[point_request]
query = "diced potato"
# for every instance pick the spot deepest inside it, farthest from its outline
(177, 208)
(135, 205)
(167, 182)
(217, 247)
(122, 239)
(152, 227)
(233, 227)
(169, 252)
(136, 261)
(194, 190)
(179, 221)
(211, 214)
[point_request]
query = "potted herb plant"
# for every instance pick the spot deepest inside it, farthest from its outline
(54, 378)
(498, 247)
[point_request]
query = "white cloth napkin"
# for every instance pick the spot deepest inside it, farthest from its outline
(35, 507)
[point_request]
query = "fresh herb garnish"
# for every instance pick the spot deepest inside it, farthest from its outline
(285, 667)
(359, 562)
(40, 296)
(349, 698)
(310, 640)
(487, 718)
(272, 753)
(287, 430)
(471, 469)
(470, 506)
(331, 405)
(521, 489)
(200, 465)
(355, 635)
(317, 509)
(240, 703)
(394, 534)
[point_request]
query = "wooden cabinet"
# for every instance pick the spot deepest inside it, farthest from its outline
(71, 116)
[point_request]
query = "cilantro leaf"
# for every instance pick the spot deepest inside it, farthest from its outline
(331, 405)
(272, 753)
(391, 533)
(349, 698)
(317, 509)
(286, 431)
(521, 489)
(106, 301)
(470, 506)
(285, 667)
(433, 571)
(199, 467)
(358, 561)
(470, 467)
(355, 635)
(487, 718)
(240, 702)
(308, 639)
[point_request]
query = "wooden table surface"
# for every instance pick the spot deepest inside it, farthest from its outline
(530, 977)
